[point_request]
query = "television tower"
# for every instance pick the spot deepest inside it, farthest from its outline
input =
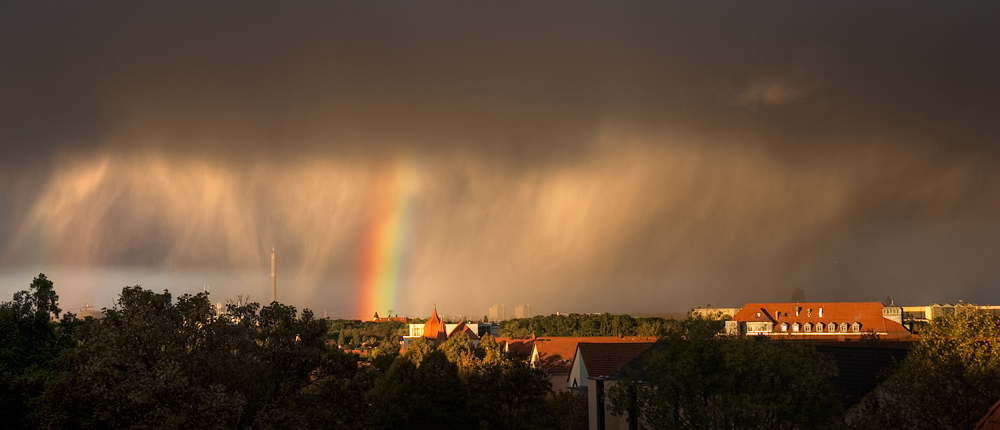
(274, 284)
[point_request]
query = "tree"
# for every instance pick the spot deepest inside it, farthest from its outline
(504, 391)
(569, 410)
(696, 381)
(29, 344)
(156, 362)
(420, 395)
(456, 347)
(949, 379)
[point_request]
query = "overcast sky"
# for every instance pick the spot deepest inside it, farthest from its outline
(580, 156)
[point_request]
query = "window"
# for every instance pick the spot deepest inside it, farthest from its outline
(784, 327)
(821, 312)
(856, 327)
(820, 327)
(843, 327)
(832, 327)
(807, 327)
(796, 327)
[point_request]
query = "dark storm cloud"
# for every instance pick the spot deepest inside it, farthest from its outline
(689, 152)
(515, 76)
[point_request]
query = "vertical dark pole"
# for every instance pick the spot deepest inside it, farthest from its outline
(633, 408)
(600, 405)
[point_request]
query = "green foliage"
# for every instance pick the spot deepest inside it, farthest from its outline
(700, 382)
(30, 341)
(569, 411)
(456, 348)
(417, 350)
(165, 362)
(427, 394)
(949, 379)
(154, 362)
(504, 391)
(585, 325)
(360, 332)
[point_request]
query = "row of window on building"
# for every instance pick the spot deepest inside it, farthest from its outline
(821, 327)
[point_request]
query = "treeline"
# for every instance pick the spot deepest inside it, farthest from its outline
(158, 362)
(587, 325)
(357, 333)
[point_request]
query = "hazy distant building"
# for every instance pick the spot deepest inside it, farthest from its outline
(714, 313)
(88, 311)
(522, 311)
(497, 313)
(935, 310)
(397, 318)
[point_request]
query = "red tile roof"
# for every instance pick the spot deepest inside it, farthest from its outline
(991, 421)
(434, 329)
(463, 328)
(519, 346)
(555, 354)
(869, 314)
(604, 359)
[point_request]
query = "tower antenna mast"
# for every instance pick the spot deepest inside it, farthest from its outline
(274, 283)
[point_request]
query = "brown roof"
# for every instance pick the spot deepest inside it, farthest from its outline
(518, 346)
(992, 419)
(463, 328)
(555, 354)
(869, 314)
(604, 359)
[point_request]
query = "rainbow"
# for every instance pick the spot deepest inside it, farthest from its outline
(386, 238)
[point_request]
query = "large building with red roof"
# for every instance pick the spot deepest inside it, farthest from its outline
(819, 321)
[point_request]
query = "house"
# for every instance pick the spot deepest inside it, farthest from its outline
(554, 355)
(601, 359)
(437, 331)
(821, 321)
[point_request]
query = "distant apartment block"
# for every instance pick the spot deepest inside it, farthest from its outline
(835, 321)
(497, 313)
(935, 310)
(522, 311)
